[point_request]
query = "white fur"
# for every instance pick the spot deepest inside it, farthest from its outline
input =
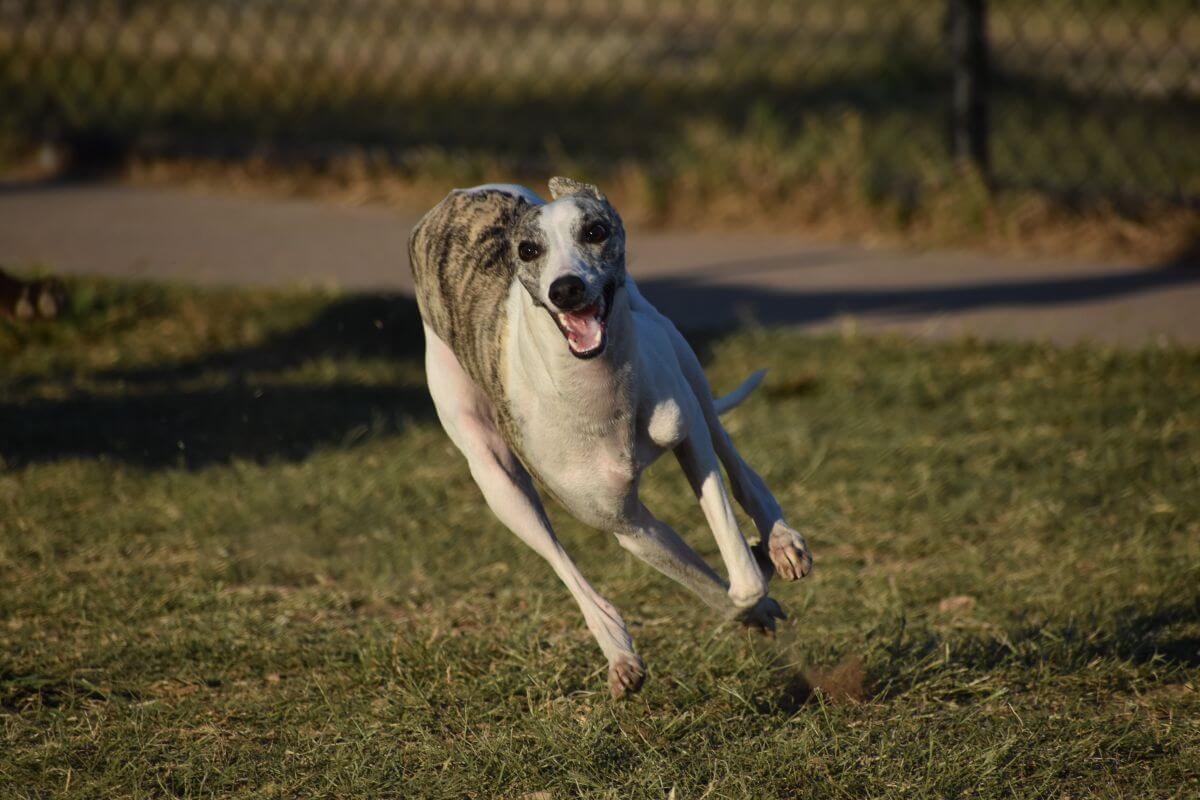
(589, 428)
(557, 222)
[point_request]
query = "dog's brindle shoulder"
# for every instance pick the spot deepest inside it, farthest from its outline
(461, 258)
(462, 267)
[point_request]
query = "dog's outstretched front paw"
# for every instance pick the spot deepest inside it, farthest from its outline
(761, 616)
(789, 553)
(625, 676)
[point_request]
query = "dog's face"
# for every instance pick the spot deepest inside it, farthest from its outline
(570, 257)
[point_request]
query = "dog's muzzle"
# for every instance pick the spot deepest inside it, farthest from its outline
(586, 327)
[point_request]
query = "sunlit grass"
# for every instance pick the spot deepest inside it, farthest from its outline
(239, 558)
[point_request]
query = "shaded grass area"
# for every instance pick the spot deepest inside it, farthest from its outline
(239, 558)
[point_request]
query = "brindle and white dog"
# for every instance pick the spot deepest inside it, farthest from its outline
(544, 361)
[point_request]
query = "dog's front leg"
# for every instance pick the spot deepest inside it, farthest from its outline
(467, 415)
(699, 462)
(782, 548)
(510, 494)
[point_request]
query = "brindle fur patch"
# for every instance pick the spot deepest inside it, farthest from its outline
(461, 257)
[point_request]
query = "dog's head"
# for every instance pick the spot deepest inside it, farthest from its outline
(570, 257)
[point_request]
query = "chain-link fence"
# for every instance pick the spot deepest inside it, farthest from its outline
(1087, 97)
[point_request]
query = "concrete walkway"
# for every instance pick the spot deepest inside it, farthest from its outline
(699, 279)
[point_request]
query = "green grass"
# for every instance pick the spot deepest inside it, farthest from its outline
(239, 558)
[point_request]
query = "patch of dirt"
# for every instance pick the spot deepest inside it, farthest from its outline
(843, 683)
(846, 681)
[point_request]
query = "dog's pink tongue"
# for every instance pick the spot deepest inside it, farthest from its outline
(584, 329)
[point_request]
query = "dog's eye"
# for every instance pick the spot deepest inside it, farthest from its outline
(528, 251)
(595, 233)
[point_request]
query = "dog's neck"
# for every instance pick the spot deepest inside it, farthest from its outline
(599, 388)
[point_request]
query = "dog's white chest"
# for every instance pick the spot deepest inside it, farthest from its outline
(580, 441)
(588, 463)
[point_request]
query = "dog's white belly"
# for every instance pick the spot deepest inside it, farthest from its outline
(593, 474)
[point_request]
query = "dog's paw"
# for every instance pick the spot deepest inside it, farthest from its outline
(625, 676)
(761, 616)
(789, 553)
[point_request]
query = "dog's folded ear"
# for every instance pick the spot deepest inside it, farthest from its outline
(563, 187)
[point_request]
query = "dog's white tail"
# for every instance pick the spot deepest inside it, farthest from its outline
(735, 398)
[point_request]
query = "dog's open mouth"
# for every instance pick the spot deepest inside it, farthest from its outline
(586, 329)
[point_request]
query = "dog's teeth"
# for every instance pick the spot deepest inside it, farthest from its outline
(584, 331)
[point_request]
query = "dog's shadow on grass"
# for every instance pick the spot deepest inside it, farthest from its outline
(219, 408)
(226, 405)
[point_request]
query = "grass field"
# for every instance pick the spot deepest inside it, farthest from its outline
(239, 558)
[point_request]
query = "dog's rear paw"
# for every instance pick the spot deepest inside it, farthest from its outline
(789, 553)
(625, 676)
(761, 616)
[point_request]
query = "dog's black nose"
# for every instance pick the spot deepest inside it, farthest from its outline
(567, 292)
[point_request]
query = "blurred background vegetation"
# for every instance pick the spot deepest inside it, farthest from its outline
(814, 114)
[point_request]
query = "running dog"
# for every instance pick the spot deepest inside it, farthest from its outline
(546, 363)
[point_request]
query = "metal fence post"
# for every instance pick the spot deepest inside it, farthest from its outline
(966, 28)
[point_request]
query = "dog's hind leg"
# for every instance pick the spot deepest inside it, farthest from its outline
(657, 544)
(466, 414)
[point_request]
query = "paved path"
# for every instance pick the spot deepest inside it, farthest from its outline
(700, 279)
